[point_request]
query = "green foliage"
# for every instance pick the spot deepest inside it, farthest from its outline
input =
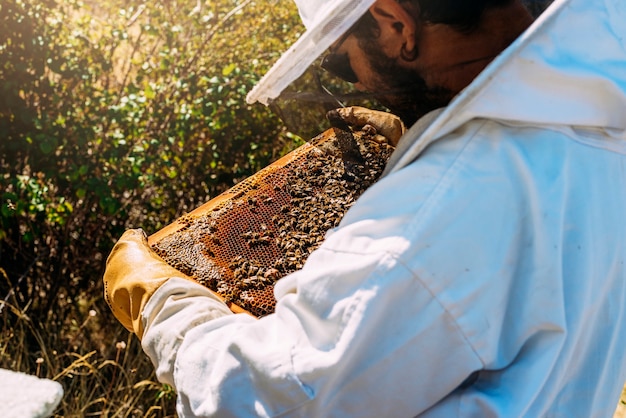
(118, 114)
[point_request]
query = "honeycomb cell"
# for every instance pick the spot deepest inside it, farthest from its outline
(243, 241)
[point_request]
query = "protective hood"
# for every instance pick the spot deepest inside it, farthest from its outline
(325, 22)
(568, 68)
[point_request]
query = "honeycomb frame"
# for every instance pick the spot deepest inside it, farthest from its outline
(241, 242)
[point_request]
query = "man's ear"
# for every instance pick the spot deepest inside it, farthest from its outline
(398, 27)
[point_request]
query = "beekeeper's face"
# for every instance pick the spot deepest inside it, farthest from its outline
(411, 66)
(403, 90)
(387, 62)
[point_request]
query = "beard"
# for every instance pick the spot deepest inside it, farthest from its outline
(403, 91)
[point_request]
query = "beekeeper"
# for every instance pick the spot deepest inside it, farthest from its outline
(482, 276)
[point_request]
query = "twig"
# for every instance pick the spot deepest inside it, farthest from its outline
(19, 281)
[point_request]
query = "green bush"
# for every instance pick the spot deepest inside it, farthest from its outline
(116, 114)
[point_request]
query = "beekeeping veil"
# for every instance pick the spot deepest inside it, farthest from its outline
(325, 22)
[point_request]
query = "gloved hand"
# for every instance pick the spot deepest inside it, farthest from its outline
(133, 273)
(386, 124)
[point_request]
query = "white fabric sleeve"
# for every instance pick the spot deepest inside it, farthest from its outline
(334, 349)
(187, 304)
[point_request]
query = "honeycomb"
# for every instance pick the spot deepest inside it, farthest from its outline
(244, 240)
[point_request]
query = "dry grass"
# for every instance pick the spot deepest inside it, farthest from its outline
(104, 377)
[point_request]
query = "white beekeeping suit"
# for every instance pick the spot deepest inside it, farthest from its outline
(483, 276)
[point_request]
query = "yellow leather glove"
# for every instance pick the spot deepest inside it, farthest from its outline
(384, 123)
(133, 273)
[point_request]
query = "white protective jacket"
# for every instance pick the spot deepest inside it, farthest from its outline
(483, 276)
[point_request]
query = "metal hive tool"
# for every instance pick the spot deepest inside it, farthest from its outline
(241, 242)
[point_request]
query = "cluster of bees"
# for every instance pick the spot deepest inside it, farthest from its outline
(267, 229)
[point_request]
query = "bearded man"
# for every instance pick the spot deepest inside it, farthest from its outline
(482, 276)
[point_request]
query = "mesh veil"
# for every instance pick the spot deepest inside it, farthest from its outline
(331, 20)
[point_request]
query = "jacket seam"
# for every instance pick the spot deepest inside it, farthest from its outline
(434, 196)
